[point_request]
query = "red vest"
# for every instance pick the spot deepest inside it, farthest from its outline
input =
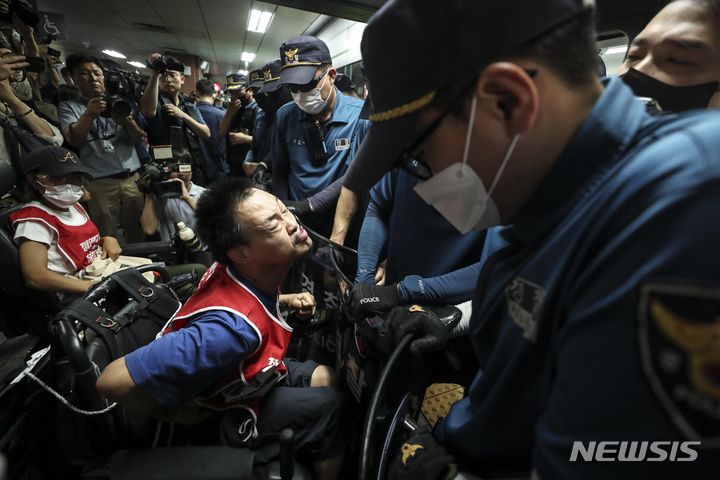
(257, 373)
(77, 243)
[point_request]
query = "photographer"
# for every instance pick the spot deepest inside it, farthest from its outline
(106, 142)
(162, 214)
(238, 125)
(171, 119)
(218, 167)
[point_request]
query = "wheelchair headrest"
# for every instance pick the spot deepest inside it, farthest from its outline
(7, 178)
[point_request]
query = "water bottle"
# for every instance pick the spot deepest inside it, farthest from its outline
(188, 237)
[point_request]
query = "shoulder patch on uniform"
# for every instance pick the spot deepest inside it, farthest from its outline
(679, 335)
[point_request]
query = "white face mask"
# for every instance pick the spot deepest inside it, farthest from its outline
(311, 102)
(63, 196)
(460, 195)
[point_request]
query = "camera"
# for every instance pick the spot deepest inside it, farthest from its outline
(54, 53)
(115, 96)
(35, 64)
(158, 65)
(155, 175)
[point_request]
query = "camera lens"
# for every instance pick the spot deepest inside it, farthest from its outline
(159, 65)
(122, 107)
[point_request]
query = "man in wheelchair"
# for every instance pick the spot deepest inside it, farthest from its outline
(222, 354)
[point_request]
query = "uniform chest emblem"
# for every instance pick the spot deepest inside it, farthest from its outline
(524, 300)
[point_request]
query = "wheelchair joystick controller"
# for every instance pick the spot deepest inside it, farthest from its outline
(287, 454)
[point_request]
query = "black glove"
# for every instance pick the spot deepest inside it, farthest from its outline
(422, 458)
(430, 331)
(367, 300)
(301, 207)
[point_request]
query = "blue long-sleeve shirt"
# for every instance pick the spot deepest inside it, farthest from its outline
(181, 365)
(425, 253)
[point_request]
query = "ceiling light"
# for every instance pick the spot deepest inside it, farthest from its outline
(247, 57)
(113, 53)
(137, 64)
(259, 21)
(615, 50)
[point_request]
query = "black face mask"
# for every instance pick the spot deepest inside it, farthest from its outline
(670, 97)
(271, 102)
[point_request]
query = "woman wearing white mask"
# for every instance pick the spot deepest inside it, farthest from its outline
(56, 237)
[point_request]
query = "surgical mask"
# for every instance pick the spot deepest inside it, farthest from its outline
(63, 196)
(459, 194)
(670, 97)
(311, 102)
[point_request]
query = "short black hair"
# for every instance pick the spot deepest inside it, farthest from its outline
(569, 50)
(75, 60)
(204, 87)
(713, 5)
(217, 223)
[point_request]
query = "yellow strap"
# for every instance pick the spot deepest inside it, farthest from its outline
(300, 64)
(403, 110)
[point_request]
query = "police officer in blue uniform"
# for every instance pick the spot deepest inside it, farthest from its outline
(270, 98)
(317, 135)
(238, 123)
(441, 269)
(592, 326)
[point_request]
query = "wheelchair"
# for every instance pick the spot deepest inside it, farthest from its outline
(87, 438)
(110, 444)
(387, 386)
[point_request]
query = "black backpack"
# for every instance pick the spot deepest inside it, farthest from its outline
(130, 312)
(122, 313)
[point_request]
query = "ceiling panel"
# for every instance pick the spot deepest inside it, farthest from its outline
(215, 30)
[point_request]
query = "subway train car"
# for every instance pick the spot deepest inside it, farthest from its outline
(359, 239)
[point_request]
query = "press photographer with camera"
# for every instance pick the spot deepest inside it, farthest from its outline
(163, 211)
(106, 141)
(213, 116)
(28, 129)
(238, 125)
(17, 22)
(171, 119)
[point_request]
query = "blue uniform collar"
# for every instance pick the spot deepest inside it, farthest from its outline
(600, 141)
(339, 114)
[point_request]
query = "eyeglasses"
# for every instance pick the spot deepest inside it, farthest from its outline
(171, 73)
(308, 86)
(409, 161)
(79, 179)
